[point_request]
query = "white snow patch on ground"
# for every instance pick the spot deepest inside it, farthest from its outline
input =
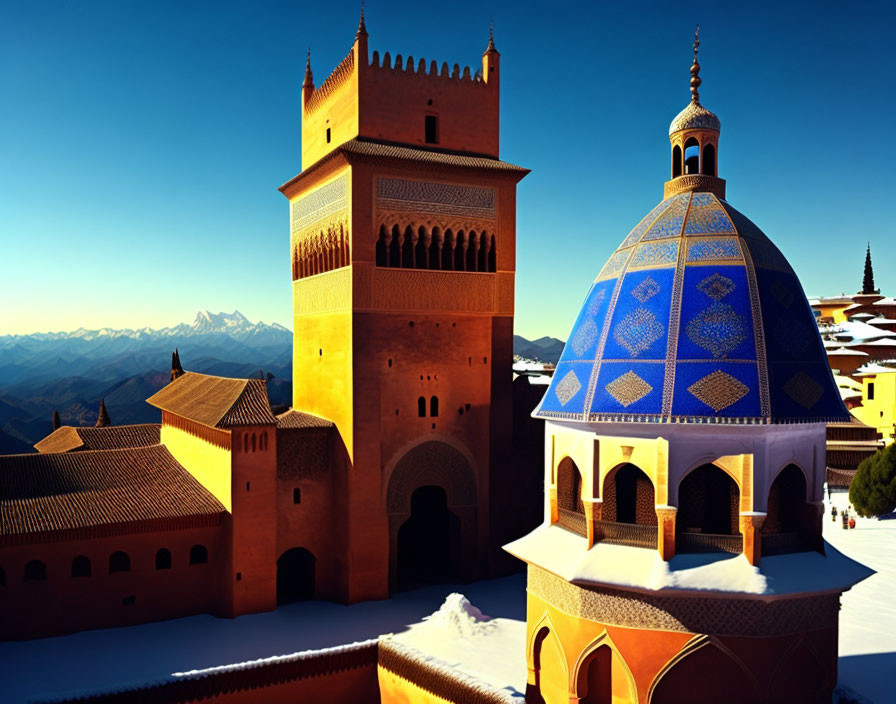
(459, 636)
(868, 610)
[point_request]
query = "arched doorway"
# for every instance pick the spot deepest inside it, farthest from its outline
(570, 507)
(549, 668)
(429, 541)
(431, 501)
(295, 576)
(721, 678)
(786, 528)
(603, 677)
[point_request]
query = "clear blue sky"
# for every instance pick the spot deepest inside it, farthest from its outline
(141, 144)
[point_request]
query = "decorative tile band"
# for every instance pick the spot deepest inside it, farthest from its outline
(429, 197)
(320, 203)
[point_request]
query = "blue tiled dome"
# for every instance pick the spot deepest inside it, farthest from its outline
(696, 317)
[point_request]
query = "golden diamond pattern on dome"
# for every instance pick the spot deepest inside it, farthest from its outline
(568, 387)
(628, 389)
(803, 389)
(646, 290)
(718, 390)
(716, 286)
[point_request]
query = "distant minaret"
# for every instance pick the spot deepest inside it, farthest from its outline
(102, 418)
(57, 423)
(868, 278)
(176, 369)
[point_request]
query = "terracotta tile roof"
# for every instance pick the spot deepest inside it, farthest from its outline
(388, 150)
(113, 437)
(216, 401)
(75, 490)
(299, 419)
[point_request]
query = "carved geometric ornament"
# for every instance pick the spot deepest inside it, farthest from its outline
(718, 328)
(637, 331)
(803, 389)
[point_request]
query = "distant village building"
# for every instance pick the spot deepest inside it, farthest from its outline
(396, 465)
(685, 425)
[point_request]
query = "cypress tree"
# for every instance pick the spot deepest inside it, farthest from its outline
(868, 278)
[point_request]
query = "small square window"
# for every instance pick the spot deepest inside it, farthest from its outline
(328, 135)
(297, 496)
(129, 601)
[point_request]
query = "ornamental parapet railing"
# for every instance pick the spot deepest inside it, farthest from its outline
(630, 534)
(783, 543)
(573, 521)
(709, 542)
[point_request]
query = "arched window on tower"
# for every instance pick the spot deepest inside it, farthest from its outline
(676, 161)
(492, 256)
(434, 406)
(435, 248)
(691, 156)
(420, 250)
(382, 253)
(459, 251)
(395, 248)
(482, 255)
(448, 251)
(709, 160)
(421, 407)
(407, 249)
(471, 252)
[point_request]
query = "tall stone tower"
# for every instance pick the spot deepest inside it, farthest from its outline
(681, 557)
(402, 244)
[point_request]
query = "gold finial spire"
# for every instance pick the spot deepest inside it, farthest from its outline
(491, 37)
(695, 70)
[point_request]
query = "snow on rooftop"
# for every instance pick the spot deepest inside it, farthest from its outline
(857, 330)
(873, 368)
(885, 302)
(843, 352)
(879, 320)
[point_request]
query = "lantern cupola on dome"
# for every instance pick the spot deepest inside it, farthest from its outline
(694, 134)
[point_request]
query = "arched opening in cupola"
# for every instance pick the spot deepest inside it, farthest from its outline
(709, 160)
(570, 508)
(628, 514)
(708, 512)
(459, 251)
(786, 528)
(676, 161)
(691, 156)
(471, 251)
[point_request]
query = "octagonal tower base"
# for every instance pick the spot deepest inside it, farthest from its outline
(618, 645)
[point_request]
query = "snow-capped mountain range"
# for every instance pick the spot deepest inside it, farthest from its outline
(71, 371)
(234, 324)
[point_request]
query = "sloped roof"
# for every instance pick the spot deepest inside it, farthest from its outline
(696, 317)
(216, 401)
(299, 419)
(113, 437)
(71, 490)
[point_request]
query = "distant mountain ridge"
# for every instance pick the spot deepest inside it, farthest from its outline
(72, 371)
(544, 349)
